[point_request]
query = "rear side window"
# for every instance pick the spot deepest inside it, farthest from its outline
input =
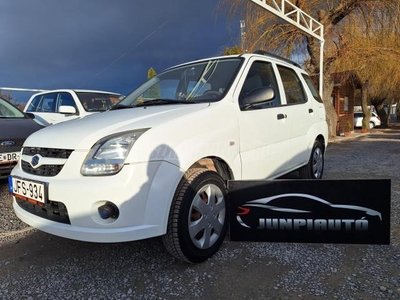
(293, 88)
(312, 88)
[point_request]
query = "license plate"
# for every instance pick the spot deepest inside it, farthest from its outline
(6, 158)
(27, 189)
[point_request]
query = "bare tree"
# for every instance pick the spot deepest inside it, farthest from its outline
(265, 31)
(372, 52)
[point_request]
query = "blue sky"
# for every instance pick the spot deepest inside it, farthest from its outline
(105, 44)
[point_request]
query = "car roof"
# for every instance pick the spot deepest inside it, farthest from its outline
(77, 91)
(258, 53)
(361, 113)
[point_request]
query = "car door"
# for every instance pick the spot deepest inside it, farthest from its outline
(65, 99)
(45, 107)
(263, 127)
(300, 117)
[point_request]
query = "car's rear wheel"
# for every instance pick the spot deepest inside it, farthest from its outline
(198, 219)
(315, 166)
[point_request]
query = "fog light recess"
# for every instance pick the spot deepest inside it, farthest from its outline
(108, 210)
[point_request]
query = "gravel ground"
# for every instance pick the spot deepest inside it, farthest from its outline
(37, 265)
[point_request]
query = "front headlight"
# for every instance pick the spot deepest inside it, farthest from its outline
(108, 155)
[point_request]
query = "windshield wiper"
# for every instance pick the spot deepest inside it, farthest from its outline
(163, 101)
(120, 106)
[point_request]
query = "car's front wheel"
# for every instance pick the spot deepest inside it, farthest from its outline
(315, 166)
(198, 219)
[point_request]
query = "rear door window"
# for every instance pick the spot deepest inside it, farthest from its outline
(312, 88)
(293, 88)
(43, 103)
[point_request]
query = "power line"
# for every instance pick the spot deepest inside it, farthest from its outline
(126, 53)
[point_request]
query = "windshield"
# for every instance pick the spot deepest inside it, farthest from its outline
(9, 111)
(94, 101)
(206, 81)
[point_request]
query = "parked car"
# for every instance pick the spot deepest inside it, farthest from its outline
(51, 107)
(374, 121)
(15, 128)
(158, 162)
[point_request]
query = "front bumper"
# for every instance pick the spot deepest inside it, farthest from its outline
(142, 192)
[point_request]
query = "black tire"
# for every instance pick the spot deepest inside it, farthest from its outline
(200, 199)
(314, 169)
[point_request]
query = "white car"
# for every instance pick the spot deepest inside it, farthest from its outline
(158, 162)
(374, 121)
(51, 107)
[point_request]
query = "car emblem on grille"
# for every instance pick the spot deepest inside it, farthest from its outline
(35, 160)
(7, 143)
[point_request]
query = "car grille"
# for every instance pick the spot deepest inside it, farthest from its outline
(54, 211)
(47, 152)
(44, 170)
(5, 169)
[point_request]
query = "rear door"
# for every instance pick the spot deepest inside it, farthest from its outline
(300, 114)
(43, 106)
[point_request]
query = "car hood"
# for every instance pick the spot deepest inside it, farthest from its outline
(13, 129)
(82, 134)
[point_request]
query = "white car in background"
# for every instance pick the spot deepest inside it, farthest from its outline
(51, 107)
(373, 122)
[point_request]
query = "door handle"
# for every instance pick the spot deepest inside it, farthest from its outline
(281, 116)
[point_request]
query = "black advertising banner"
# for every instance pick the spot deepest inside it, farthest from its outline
(310, 211)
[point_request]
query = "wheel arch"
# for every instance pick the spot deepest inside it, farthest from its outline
(179, 240)
(215, 164)
(320, 138)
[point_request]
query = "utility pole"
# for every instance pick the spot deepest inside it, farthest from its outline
(243, 35)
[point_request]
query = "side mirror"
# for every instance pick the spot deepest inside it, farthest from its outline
(258, 96)
(30, 115)
(67, 109)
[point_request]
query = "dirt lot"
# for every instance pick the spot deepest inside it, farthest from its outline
(37, 265)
